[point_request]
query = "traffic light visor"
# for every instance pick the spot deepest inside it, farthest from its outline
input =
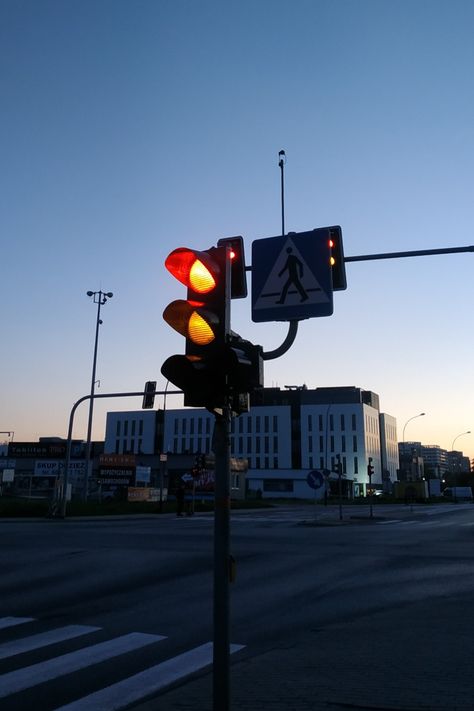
(196, 270)
(187, 319)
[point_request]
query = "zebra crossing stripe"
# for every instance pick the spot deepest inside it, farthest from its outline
(25, 678)
(36, 641)
(145, 683)
(12, 621)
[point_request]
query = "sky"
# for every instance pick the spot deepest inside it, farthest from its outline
(132, 128)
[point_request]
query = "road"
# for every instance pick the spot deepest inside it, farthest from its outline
(87, 604)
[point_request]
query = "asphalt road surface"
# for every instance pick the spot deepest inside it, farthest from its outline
(114, 611)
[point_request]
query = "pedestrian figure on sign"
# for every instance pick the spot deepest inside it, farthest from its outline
(294, 267)
(180, 500)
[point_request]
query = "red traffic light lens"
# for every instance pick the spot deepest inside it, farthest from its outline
(194, 269)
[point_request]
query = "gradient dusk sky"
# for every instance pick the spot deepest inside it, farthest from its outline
(130, 128)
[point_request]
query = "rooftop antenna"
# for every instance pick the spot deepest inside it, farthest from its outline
(281, 163)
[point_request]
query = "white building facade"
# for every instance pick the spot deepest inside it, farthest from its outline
(284, 436)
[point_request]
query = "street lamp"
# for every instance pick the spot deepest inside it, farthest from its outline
(453, 473)
(459, 435)
(99, 298)
(411, 418)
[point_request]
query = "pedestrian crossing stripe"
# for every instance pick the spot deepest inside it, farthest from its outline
(44, 639)
(13, 621)
(25, 678)
(114, 697)
(154, 679)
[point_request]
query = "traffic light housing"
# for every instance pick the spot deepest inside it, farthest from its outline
(203, 319)
(149, 395)
(338, 267)
(370, 468)
(238, 277)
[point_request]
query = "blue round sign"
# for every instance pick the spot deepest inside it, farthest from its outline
(315, 479)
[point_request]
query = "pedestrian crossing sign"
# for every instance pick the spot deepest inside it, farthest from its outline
(291, 277)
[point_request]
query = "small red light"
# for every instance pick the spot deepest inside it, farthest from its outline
(331, 243)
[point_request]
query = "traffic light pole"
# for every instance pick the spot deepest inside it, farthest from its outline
(71, 425)
(221, 608)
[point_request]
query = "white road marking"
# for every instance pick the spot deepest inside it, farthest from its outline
(36, 641)
(25, 678)
(12, 621)
(145, 683)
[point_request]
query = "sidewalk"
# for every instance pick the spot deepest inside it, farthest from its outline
(411, 658)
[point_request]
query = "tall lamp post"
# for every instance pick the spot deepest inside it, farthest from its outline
(452, 463)
(99, 298)
(421, 414)
(411, 418)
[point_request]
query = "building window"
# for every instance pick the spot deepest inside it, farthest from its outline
(356, 465)
(249, 444)
(257, 462)
(117, 447)
(176, 426)
(275, 462)
(275, 423)
(332, 443)
(343, 443)
(354, 422)
(321, 462)
(257, 445)
(200, 425)
(140, 444)
(331, 422)
(134, 424)
(275, 445)
(267, 445)
(257, 424)
(249, 424)
(344, 465)
(266, 424)
(321, 443)
(132, 445)
(208, 426)
(310, 444)
(241, 444)
(310, 423)
(321, 428)
(343, 423)
(140, 428)
(183, 426)
(191, 426)
(125, 428)
(117, 432)
(175, 445)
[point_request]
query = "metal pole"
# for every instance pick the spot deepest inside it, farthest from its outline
(221, 607)
(281, 163)
(140, 393)
(88, 471)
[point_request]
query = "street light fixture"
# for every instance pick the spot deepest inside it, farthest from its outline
(99, 298)
(411, 418)
(453, 473)
(459, 435)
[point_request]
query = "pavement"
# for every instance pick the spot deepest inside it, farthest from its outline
(399, 662)
(414, 656)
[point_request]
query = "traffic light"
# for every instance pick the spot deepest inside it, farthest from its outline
(338, 271)
(203, 319)
(370, 468)
(338, 465)
(238, 277)
(149, 395)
